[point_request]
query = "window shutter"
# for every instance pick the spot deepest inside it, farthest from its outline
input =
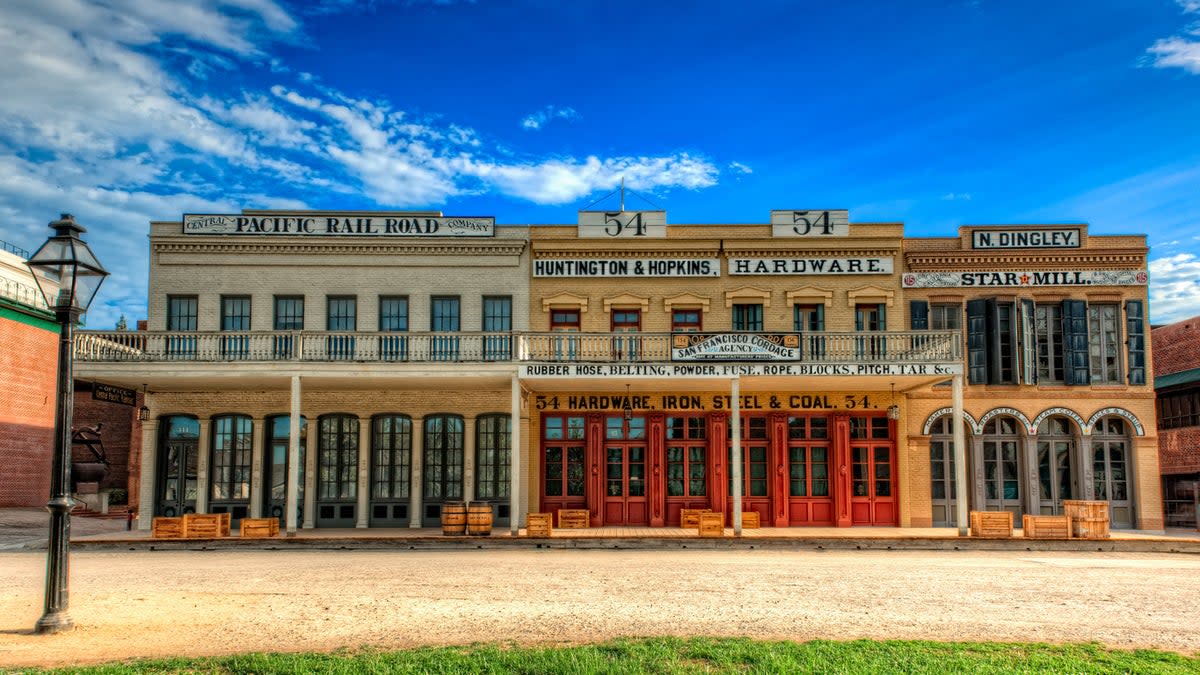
(1135, 328)
(977, 365)
(882, 317)
(918, 315)
(858, 319)
(820, 317)
(1028, 344)
(1075, 342)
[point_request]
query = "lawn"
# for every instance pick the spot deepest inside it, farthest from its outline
(694, 655)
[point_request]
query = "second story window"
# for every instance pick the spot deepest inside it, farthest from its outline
(497, 318)
(393, 318)
(181, 316)
(808, 318)
(1048, 336)
(444, 318)
(685, 321)
(289, 315)
(235, 316)
(564, 321)
(1104, 343)
(342, 316)
(945, 317)
(626, 321)
(748, 317)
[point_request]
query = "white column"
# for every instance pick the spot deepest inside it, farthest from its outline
(514, 470)
(735, 471)
(960, 459)
(364, 469)
(291, 508)
(146, 491)
(1030, 486)
(310, 475)
(414, 488)
(202, 486)
(257, 443)
(468, 459)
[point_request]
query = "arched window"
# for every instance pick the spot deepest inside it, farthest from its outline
(493, 434)
(1110, 466)
(1002, 464)
(1057, 478)
(229, 472)
(275, 471)
(443, 458)
(391, 456)
(337, 458)
(943, 485)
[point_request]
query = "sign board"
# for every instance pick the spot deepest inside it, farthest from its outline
(111, 394)
(339, 225)
(627, 267)
(1025, 279)
(809, 266)
(735, 347)
(727, 370)
(779, 400)
(811, 223)
(1056, 237)
(622, 224)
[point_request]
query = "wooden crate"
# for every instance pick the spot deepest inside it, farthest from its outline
(1046, 527)
(1089, 518)
(1089, 528)
(253, 528)
(574, 518)
(166, 528)
(711, 524)
(992, 524)
(540, 525)
(691, 517)
(206, 525)
(750, 520)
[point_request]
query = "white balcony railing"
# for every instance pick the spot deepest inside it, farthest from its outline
(516, 347)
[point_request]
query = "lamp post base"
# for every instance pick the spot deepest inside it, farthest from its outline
(55, 622)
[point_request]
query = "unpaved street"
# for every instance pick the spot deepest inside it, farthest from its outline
(128, 604)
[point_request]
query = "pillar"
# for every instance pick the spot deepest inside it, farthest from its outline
(735, 470)
(960, 458)
(416, 475)
(364, 471)
(469, 439)
(202, 456)
(257, 446)
(514, 453)
(148, 495)
(291, 509)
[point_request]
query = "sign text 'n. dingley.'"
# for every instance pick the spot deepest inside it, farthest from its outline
(339, 225)
(826, 223)
(1056, 237)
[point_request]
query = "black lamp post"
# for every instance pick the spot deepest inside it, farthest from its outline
(68, 275)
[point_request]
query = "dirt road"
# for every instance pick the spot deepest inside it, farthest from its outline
(131, 604)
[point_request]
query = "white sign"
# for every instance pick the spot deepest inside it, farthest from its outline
(622, 224)
(809, 266)
(1023, 279)
(725, 370)
(1027, 238)
(735, 347)
(338, 225)
(827, 223)
(627, 267)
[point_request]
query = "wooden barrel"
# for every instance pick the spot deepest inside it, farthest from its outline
(454, 519)
(479, 519)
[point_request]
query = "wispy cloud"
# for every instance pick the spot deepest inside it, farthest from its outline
(1175, 285)
(957, 196)
(738, 167)
(1179, 51)
(537, 120)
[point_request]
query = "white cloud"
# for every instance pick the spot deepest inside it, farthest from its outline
(536, 120)
(957, 196)
(740, 168)
(1174, 287)
(1176, 51)
(1190, 6)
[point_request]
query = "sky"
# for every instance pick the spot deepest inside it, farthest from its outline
(934, 113)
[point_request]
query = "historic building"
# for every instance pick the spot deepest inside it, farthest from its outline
(361, 369)
(1177, 383)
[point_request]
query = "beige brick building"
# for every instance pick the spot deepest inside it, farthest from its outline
(364, 369)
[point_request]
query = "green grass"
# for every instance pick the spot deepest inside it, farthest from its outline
(692, 655)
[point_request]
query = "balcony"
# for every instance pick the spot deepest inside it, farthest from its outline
(897, 347)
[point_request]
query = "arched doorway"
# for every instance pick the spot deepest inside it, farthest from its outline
(337, 471)
(1058, 474)
(442, 468)
(178, 456)
(391, 469)
(1110, 469)
(276, 470)
(1000, 458)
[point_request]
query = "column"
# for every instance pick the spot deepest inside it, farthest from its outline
(843, 481)
(468, 459)
(416, 480)
(1032, 488)
(718, 455)
(310, 475)
(514, 453)
(364, 471)
(656, 455)
(257, 443)
(292, 507)
(202, 456)
(1087, 471)
(735, 471)
(779, 476)
(594, 465)
(147, 495)
(960, 458)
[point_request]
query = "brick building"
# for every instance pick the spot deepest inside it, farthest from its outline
(363, 369)
(1177, 384)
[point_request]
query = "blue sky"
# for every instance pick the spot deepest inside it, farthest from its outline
(933, 113)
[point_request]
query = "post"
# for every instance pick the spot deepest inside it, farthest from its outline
(960, 459)
(735, 470)
(292, 503)
(55, 619)
(514, 453)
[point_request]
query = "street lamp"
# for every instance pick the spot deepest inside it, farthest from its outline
(68, 275)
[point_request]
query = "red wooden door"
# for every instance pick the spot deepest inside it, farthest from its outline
(625, 484)
(873, 484)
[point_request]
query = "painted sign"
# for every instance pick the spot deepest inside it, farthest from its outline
(339, 224)
(627, 267)
(809, 266)
(827, 223)
(712, 401)
(735, 347)
(622, 224)
(727, 370)
(1027, 238)
(111, 394)
(1021, 279)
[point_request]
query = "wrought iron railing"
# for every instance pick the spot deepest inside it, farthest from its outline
(14, 249)
(22, 293)
(915, 347)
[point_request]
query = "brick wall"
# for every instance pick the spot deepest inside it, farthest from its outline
(120, 432)
(1176, 347)
(1179, 450)
(28, 369)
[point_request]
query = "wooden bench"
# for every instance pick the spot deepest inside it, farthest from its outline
(206, 525)
(711, 524)
(166, 528)
(992, 524)
(691, 517)
(253, 528)
(540, 525)
(574, 518)
(1046, 527)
